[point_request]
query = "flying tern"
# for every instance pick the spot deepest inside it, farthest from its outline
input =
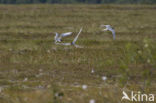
(58, 38)
(109, 28)
(73, 42)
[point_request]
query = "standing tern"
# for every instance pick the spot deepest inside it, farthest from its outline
(109, 28)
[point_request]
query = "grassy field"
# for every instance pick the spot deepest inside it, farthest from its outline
(35, 70)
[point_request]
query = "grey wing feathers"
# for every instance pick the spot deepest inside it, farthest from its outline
(113, 33)
(66, 34)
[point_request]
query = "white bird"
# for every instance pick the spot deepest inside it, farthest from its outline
(109, 28)
(104, 78)
(92, 70)
(73, 42)
(58, 38)
(92, 101)
(84, 87)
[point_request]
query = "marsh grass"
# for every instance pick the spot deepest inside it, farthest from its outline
(27, 50)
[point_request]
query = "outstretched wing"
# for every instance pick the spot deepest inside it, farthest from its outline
(56, 36)
(113, 32)
(66, 34)
(75, 39)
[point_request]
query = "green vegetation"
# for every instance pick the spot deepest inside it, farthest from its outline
(35, 70)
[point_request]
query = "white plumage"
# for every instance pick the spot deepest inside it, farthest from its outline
(58, 38)
(109, 28)
(75, 39)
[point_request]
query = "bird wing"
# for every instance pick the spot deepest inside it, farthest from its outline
(66, 34)
(113, 32)
(63, 35)
(107, 27)
(75, 39)
(56, 36)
